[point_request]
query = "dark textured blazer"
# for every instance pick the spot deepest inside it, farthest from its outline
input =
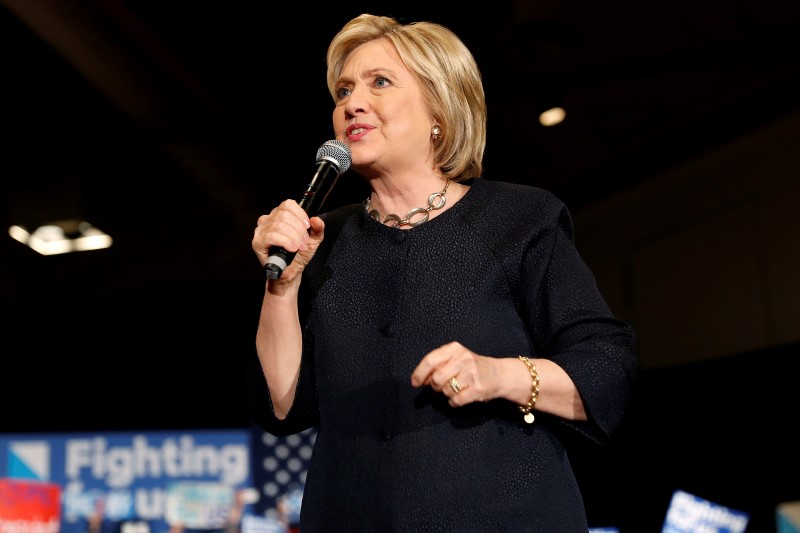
(498, 272)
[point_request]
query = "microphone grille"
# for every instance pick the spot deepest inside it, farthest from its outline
(336, 152)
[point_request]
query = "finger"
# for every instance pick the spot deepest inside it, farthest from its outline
(316, 229)
(457, 392)
(294, 208)
(455, 386)
(297, 222)
(423, 373)
(267, 237)
(426, 371)
(314, 237)
(283, 227)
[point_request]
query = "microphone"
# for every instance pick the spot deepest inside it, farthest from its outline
(333, 159)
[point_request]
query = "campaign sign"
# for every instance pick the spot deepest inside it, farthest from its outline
(199, 505)
(124, 477)
(689, 514)
(787, 516)
(29, 506)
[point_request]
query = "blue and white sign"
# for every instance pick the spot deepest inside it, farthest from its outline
(689, 514)
(126, 476)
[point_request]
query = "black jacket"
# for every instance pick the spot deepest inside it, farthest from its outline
(499, 273)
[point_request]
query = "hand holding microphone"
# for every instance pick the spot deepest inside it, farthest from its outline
(333, 159)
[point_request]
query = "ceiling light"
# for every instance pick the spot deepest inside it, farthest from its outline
(61, 237)
(553, 116)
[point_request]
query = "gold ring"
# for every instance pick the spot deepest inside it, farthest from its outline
(455, 385)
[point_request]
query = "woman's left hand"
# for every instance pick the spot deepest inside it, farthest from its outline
(460, 374)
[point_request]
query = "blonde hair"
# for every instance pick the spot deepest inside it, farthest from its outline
(448, 75)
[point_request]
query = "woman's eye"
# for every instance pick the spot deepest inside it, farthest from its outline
(382, 82)
(342, 92)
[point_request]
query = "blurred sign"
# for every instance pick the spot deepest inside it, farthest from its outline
(263, 524)
(689, 514)
(199, 505)
(787, 517)
(124, 476)
(29, 506)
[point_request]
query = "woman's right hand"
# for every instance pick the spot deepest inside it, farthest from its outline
(290, 228)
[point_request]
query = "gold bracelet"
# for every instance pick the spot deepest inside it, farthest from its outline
(526, 409)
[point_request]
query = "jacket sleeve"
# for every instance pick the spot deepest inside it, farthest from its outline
(572, 325)
(304, 412)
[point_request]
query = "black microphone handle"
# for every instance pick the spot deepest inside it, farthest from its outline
(321, 184)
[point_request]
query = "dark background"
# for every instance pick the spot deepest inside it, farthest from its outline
(173, 125)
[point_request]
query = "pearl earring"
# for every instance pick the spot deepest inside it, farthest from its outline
(435, 132)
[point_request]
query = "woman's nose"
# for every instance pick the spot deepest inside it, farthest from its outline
(357, 102)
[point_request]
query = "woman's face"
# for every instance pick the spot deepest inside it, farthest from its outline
(380, 112)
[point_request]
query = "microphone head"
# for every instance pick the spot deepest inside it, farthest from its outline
(337, 153)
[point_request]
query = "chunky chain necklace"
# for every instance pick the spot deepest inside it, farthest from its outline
(435, 201)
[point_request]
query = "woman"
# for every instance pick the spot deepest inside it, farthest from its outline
(443, 333)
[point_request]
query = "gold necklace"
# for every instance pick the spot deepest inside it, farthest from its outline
(435, 201)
